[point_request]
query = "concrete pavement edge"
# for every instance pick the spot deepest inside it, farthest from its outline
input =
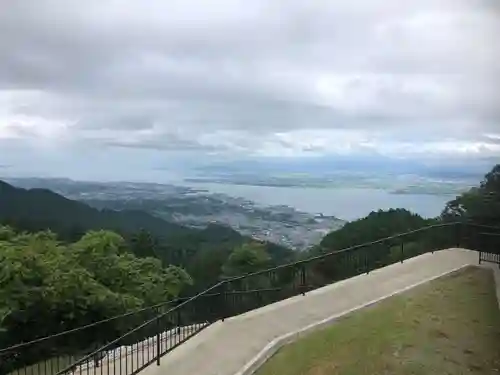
(270, 349)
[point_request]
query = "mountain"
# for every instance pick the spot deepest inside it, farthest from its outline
(337, 164)
(39, 209)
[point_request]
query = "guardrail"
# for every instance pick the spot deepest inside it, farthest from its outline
(489, 248)
(163, 327)
(49, 355)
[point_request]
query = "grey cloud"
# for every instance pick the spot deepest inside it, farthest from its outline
(398, 67)
(133, 121)
(164, 144)
(492, 138)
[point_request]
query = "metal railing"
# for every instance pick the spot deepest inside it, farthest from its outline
(51, 354)
(164, 327)
(488, 247)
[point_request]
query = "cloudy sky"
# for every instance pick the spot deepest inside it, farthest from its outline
(129, 89)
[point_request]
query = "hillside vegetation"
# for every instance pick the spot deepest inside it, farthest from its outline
(66, 264)
(69, 285)
(201, 252)
(40, 209)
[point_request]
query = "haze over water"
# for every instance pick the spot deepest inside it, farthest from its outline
(344, 203)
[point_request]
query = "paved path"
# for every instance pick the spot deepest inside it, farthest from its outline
(496, 273)
(225, 347)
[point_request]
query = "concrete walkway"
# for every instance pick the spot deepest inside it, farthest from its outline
(226, 347)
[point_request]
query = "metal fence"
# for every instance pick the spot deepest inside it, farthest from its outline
(489, 249)
(54, 354)
(159, 329)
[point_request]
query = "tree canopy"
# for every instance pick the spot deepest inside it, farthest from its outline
(66, 286)
(480, 204)
(376, 225)
(245, 259)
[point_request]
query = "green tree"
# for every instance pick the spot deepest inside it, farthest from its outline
(143, 244)
(103, 253)
(480, 204)
(40, 281)
(247, 258)
(6, 233)
(377, 225)
(68, 286)
(491, 182)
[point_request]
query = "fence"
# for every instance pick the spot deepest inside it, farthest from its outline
(488, 248)
(161, 328)
(52, 354)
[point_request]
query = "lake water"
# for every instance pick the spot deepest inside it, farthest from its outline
(347, 204)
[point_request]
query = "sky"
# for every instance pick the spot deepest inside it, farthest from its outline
(108, 89)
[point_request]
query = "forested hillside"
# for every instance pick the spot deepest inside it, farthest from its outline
(376, 225)
(40, 209)
(480, 204)
(201, 252)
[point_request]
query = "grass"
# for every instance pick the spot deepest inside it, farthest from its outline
(448, 326)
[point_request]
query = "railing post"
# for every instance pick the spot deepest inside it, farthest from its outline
(402, 250)
(432, 239)
(158, 336)
(367, 267)
(303, 279)
(224, 301)
(179, 321)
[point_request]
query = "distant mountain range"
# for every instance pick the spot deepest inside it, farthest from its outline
(375, 164)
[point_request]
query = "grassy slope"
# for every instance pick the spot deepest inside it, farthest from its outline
(449, 326)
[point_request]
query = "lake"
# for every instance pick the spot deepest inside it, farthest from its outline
(344, 203)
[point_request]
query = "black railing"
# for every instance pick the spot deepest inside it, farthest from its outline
(162, 328)
(488, 247)
(51, 354)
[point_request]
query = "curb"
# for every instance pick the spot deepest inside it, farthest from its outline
(270, 349)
